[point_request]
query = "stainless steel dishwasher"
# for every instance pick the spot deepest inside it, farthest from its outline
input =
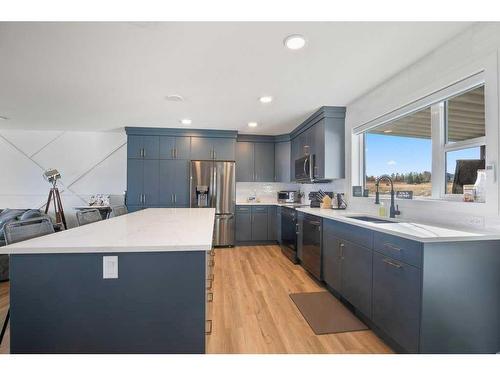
(311, 245)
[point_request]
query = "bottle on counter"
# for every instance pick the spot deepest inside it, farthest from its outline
(382, 212)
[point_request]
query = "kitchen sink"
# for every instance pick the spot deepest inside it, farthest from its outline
(370, 219)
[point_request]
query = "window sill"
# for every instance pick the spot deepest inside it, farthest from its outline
(447, 198)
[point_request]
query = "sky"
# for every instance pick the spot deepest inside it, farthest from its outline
(386, 154)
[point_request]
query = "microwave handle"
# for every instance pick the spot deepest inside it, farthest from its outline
(305, 163)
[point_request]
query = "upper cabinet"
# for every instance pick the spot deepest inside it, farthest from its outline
(143, 147)
(175, 147)
(321, 135)
(282, 161)
(207, 148)
(255, 162)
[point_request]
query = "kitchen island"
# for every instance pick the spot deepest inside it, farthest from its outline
(131, 284)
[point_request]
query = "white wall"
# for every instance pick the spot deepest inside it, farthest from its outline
(474, 50)
(89, 162)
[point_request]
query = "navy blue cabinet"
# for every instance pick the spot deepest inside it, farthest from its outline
(143, 183)
(255, 161)
(356, 276)
(172, 147)
(282, 154)
(278, 224)
(272, 223)
(332, 256)
(396, 300)
(243, 223)
(207, 148)
(143, 146)
(259, 223)
(174, 183)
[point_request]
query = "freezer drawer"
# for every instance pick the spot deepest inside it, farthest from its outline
(224, 230)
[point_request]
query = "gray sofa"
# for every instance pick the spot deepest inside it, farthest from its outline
(6, 216)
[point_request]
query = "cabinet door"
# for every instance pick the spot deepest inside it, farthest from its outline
(166, 188)
(396, 300)
(264, 162)
(181, 183)
(243, 226)
(151, 185)
(300, 234)
(295, 154)
(318, 135)
(245, 162)
(282, 161)
(332, 260)
(183, 148)
(271, 222)
(151, 146)
(224, 148)
(357, 276)
(134, 146)
(167, 146)
(259, 226)
(201, 148)
(135, 178)
(278, 224)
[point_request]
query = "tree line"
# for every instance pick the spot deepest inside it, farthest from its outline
(409, 178)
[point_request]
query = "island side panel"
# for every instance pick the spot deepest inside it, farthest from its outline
(461, 298)
(60, 303)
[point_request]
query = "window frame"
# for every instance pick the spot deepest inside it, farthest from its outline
(438, 104)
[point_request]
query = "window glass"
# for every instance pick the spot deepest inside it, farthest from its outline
(465, 116)
(461, 168)
(402, 149)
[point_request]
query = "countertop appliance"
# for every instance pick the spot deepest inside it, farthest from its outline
(213, 185)
(288, 196)
(304, 168)
(315, 198)
(311, 245)
(289, 233)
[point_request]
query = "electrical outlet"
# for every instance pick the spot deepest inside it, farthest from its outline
(475, 221)
(110, 267)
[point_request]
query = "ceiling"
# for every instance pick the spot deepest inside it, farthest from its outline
(104, 76)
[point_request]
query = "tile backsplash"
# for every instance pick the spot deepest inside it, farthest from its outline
(266, 192)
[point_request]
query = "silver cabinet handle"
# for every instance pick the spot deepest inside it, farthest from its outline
(175, 153)
(172, 198)
(342, 245)
(143, 152)
(393, 264)
(391, 246)
(172, 155)
(175, 198)
(215, 154)
(144, 201)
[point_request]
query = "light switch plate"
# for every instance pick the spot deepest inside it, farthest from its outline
(110, 267)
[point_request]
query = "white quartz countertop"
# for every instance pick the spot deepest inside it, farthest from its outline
(410, 230)
(153, 229)
(272, 204)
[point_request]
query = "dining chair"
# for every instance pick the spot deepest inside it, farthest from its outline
(88, 216)
(119, 211)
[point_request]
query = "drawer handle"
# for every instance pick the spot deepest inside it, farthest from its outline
(210, 284)
(210, 297)
(387, 261)
(315, 223)
(392, 247)
(210, 324)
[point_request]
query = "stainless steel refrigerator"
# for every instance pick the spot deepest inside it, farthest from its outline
(213, 185)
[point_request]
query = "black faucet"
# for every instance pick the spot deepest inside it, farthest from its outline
(393, 210)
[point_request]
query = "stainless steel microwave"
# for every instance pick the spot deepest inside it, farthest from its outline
(304, 168)
(288, 196)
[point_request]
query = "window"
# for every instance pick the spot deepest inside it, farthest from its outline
(403, 150)
(433, 151)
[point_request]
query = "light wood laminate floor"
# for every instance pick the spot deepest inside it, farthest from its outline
(252, 311)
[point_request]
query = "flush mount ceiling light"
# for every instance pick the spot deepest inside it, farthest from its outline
(174, 98)
(388, 131)
(294, 42)
(186, 121)
(252, 124)
(266, 99)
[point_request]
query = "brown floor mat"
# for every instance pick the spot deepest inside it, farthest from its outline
(326, 314)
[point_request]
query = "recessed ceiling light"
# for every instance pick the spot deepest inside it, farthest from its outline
(388, 131)
(3, 118)
(266, 99)
(252, 124)
(174, 98)
(294, 41)
(186, 121)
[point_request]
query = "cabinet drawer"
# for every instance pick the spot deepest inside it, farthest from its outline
(398, 248)
(352, 233)
(259, 209)
(243, 208)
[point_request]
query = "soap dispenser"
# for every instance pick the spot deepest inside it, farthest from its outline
(381, 210)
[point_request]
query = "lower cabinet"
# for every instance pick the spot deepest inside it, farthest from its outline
(396, 300)
(356, 276)
(332, 256)
(256, 223)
